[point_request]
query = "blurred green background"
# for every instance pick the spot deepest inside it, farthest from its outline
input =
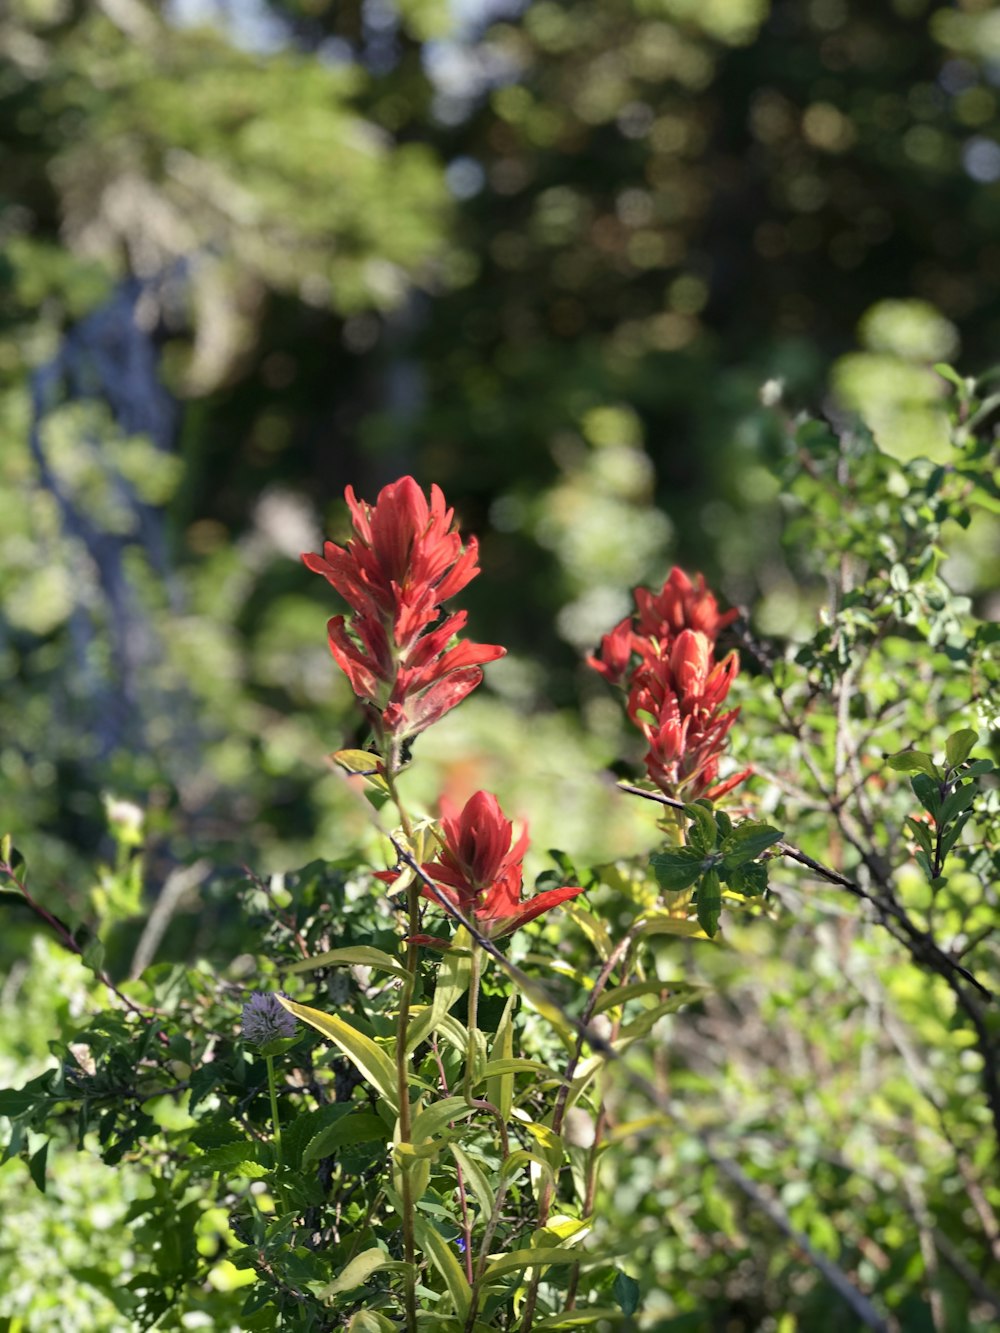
(544, 254)
(572, 261)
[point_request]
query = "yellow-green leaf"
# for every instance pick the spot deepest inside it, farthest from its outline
(361, 955)
(369, 1059)
(359, 1270)
(444, 1260)
(500, 1086)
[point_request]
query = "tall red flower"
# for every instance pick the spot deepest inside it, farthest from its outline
(405, 560)
(480, 870)
(664, 657)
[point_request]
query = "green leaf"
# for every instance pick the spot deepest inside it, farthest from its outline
(370, 1321)
(913, 761)
(922, 833)
(709, 903)
(475, 1179)
(452, 983)
(927, 793)
(747, 841)
(960, 799)
(959, 745)
(359, 1270)
(36, 1165)
(359, 763)
(592, 1314)
(702, 833)
(749, 880)
(514, 1066)
(442, 1256)
(429, 1123)
(626, 1292)
(678, 867)
(500, 1087)
(361, 1127)
(662, 923)
(518, 1261)
(369, 1059)
(360, 955)
(978, 767)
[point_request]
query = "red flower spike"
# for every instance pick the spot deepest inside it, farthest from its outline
(481, 872)
(404, 561)
(676, 689)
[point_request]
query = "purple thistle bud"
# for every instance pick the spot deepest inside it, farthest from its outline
(265, 1019)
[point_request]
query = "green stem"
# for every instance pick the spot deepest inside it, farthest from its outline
(472, 1051)
(276, 1122)
(402, 1061)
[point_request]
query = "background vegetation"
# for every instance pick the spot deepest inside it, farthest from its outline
(547, 256)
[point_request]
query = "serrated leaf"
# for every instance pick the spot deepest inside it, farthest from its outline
(959, 746)
(913, 761)
(359, 955)
(369, 1059)
(749, 880)
(359, 1127)
(747, 841)
(709, 903)
(677, 868)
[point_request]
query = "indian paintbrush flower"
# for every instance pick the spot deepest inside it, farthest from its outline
(405, 560)
(479, 869)
(664, 657)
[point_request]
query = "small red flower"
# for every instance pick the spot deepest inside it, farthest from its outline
(405, 560)
(480, 870)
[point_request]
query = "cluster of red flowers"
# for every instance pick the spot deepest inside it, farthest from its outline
(480, 870)
(405, 560)
(664, 657)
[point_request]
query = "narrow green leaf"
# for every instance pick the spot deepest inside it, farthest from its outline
(360, 955)
(977, 768)
(358, 1271)
(677, 867)
(429, 1123)
(475, 1179)
(592, 1314)
(709, 903)
(444, 1260)
(500, 1087)
(452, 983)
(369, 1059)
(636, 989)
(514, 1066)
(518, 1261)
(662, 923)
(959, 745)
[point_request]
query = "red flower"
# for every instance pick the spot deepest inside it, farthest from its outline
(480, 871)
(404, 561)
(676, 689)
